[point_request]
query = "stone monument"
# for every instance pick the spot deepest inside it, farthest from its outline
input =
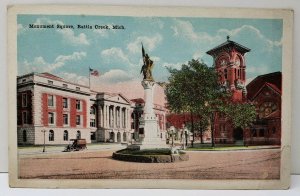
(151, 131)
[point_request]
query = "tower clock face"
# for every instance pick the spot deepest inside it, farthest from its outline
(222, 61)
(237, 62)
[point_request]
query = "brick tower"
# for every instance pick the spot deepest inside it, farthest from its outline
(229, 61)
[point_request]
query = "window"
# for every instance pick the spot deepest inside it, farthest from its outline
(65, 118)
(51, 135)
(66, 135)
(65, 102)
(50, 100)
(24, 116)
(225, 74)
(24, 100)
(50, 82)
(93, 110)
(77, 104)
(51, 118)
(92, 123)
(24, 80)
(253, 132)
(273, 130)
(24, 136)
(77, 88)
(78, 135)
(261, 133)
(65, 85)
(77, 119)
(93, 135)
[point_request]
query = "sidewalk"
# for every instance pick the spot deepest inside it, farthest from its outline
(233, 148)
(35, 150)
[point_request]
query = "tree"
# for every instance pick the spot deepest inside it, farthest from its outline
(241, 114)
(194, 89)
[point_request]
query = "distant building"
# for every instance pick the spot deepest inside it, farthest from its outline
(65, 111)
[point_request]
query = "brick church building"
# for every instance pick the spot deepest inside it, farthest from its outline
(264, 92)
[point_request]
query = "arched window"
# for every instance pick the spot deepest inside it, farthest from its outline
(51, 135)
(78, 135)
(24, 136)
(66, 135)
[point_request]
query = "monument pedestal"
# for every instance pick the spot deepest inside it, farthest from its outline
(152, 137)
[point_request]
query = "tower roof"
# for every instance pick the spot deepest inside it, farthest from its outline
(240, 48)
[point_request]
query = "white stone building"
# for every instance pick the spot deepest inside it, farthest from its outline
(54, 111)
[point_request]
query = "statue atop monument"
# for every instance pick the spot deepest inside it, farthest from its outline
(147, 67)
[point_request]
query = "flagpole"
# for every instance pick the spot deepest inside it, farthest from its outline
(89, 77)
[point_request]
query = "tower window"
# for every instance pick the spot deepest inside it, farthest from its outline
(225, 74)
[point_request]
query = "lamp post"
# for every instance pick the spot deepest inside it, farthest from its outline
(212, 130)
(44, 147)
(183, 137)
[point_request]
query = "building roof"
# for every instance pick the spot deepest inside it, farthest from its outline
(50, 76)
(272, 80)
(240, 48)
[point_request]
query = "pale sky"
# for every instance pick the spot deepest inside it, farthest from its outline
(116, 54)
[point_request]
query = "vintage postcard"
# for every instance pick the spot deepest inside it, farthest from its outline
(149, 97)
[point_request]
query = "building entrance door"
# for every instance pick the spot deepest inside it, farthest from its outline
(238, 135)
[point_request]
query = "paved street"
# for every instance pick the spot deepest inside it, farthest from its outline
(97, 163)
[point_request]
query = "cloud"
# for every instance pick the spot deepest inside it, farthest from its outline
(70, 36)
(198, 54)
(67, 33)
(257, 70)
(186, 30)
(173, 65)
(149, 43)
(249, 30)
(101, 32)
(72, 77)
(115, 55)
(115, 76)
(40, 65)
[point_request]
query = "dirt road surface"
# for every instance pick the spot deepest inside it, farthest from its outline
(249, 164)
